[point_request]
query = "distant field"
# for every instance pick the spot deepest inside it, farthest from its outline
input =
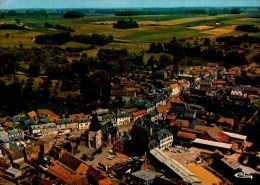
(220, 31)
(153, 28)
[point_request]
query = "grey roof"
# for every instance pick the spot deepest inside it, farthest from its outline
(163, 134)
(4, 136)
(175, 166)
(145, 175)
(14, 131)
(48, 125)
(231, 163)
(123, 115)
(153, 113)
(102, 111)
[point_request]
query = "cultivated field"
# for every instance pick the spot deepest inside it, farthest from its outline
(152, 28)
(220, 31)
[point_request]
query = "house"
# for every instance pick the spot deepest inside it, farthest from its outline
(84, 123)
(181, 123)
(97, 177)
(237, 91)
(43, 113)
(147, 105)
(215, 134)
(69, 170)
(226, 122)
(33, 115)
(15, 135)
(175, 89)
(253, 91)
(9, 171)
(44, 129)
(163, 110)
(4, 136)
(16, 157)
(165, 138)
(31, 152)
(170, 120)
(70, 124)
(44, 146)
(123, 119)
(144, 177)
(126, 94)
(138, 114)
(153, 116)
(237, 138)
(185, 138)
(159, 100)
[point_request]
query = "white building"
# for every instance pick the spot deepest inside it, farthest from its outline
(123, 119)
(165, 138)
(175, 89)
(44, 129)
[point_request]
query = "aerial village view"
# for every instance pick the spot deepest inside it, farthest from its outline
(129, 92)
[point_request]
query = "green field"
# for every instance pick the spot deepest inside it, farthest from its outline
(167, 27)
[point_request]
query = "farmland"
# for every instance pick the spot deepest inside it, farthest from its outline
(152, 28)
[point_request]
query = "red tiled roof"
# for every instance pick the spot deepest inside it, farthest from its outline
(131, 110)
(53, 118)
(96, 174)
(32, 114)
(138, 113)
(171, 117)
(106, 181)
(202, 128)
(181, 81)
(186, 135)
(46, 112)
(176, 100)
(163, 108)
(217, 134)
(174, 85)
(66, 175)
(182, 123)
(229, 121)
(70, 161)
(4, 165)
(80, 115)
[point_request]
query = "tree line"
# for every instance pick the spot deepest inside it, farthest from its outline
(64, 37)
(73, 14)
(59, 27)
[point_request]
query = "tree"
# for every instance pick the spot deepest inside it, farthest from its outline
(73, 14)
(34, 69)
(206, 41)
(7, 35)
(234, 11)
(152, 48)
(159, 48)
(140, 139)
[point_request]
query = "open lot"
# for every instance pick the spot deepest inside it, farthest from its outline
(187, 159)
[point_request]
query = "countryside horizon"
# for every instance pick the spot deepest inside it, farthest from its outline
(61, 4)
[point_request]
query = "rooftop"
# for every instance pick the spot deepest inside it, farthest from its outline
(145, 175)
(212, 143)
(186, 135)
